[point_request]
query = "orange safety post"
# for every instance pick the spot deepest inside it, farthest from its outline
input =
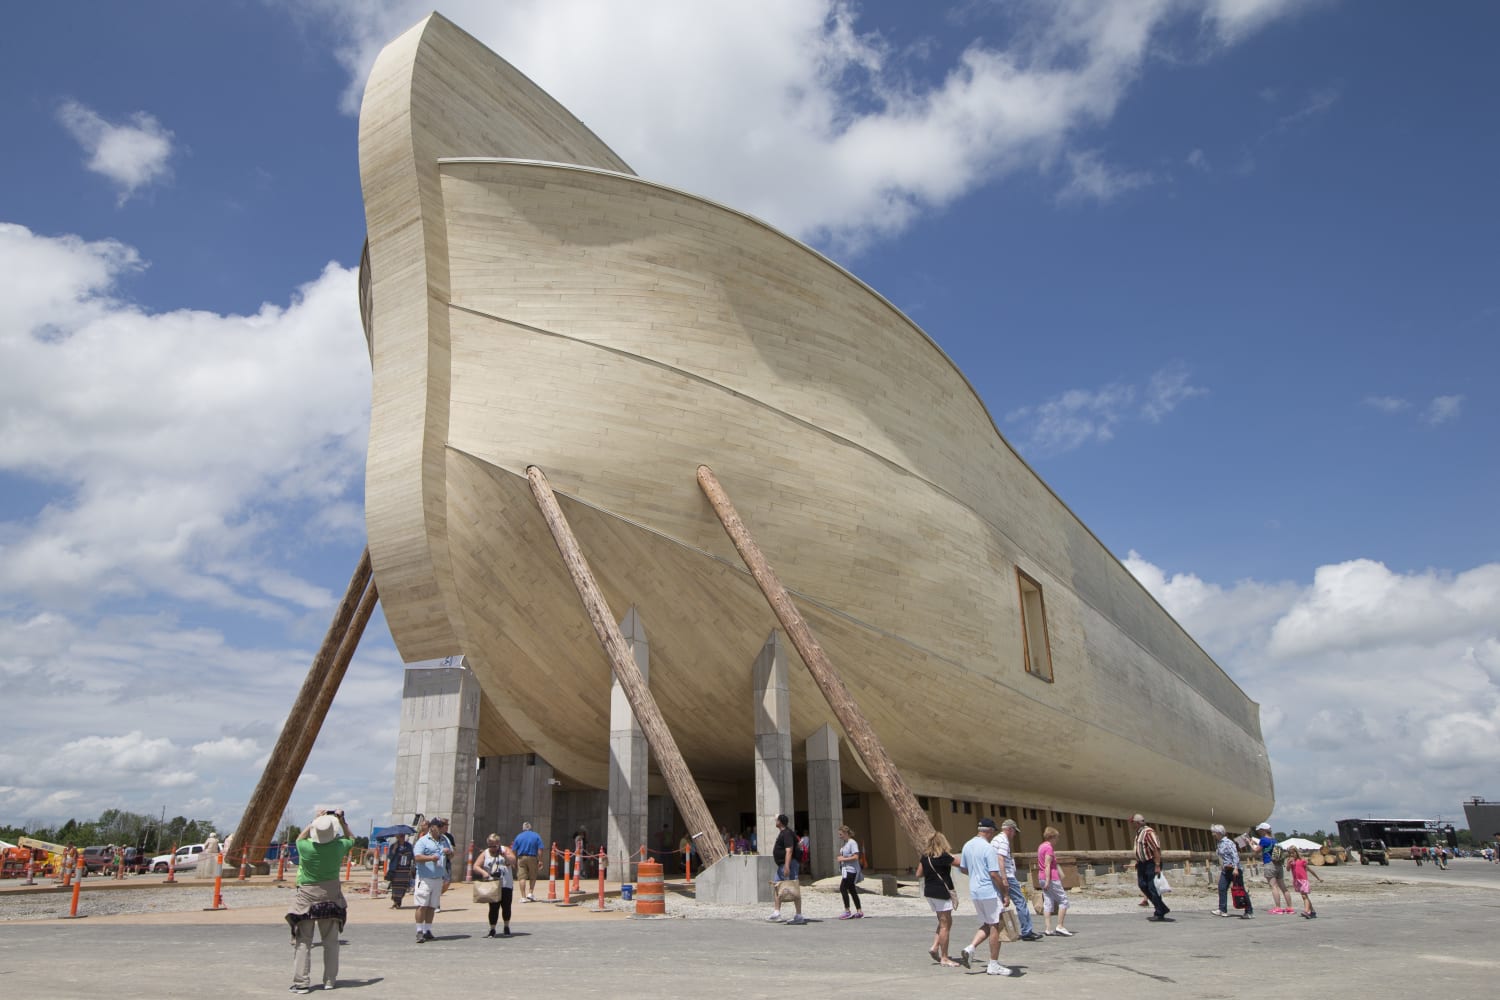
(567, 896)
(577, 871)
(244, 862)
(687, 865)
(650, 897)
(120, 866)
(67, 871)
(552, 876)
(171, 866)
(30, 870)
(218, 885)
(73, 908)
(375, 892)
(349, 866)
(602, 865)
(469, 864)
(281, 863)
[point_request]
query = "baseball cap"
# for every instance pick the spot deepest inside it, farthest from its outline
(986, 824)
(1264, 826)
(1009, 824)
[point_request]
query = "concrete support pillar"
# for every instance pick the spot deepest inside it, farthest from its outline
(437, 750)
(825, 801)
(511, 790)
(627, 759)
(773, 741)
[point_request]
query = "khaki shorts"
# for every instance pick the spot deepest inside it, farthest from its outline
(527, 863)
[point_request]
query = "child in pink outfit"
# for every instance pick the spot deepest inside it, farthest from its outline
(1300, 872)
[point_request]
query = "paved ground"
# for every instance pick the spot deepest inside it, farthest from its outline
(1380, 938)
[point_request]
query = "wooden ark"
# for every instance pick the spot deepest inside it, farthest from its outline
(529, 300)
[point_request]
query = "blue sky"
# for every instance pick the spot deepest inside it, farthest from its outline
(1225, 273)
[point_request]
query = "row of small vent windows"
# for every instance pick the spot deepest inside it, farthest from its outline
(1004, 812)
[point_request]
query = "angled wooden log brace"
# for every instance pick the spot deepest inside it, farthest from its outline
(862, 738)
(304, 721)
(674, 769)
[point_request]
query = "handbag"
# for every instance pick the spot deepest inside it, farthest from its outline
(487, 892)
(1010, 925)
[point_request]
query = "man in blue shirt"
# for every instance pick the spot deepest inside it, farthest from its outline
(528, 848)
(987, 891)
(431, 854)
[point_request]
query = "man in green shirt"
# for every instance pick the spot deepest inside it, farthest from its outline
(319, 904)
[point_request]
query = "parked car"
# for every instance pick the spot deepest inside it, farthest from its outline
(187, 857)
(1373, 850)
(97, 859)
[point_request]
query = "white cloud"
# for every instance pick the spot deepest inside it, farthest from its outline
(1318, 102)
(1166, 390)
(168, 436)
(1081, 416)
(788, 110)
(1091, 179)
(1198, 160)
(1387, 404)
(227, 748)
(1379, 691)
(1442, 409)
(133, 154)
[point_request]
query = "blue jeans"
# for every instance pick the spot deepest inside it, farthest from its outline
(1018, 900)
(1226, 879)
(1145, 879)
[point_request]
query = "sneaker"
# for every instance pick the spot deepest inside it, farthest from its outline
(330, 984)
(1163, 919)
(1218, 913)
(1246, 916)
(429, 936)
(1063, 932)
(505, 933)
(420, 938)
(1033, 936)
(299, 989)
(798, 920)
(858, 915)
(846, 915)
(1313, 915)
(775, 917)
(965, 956)
(996, 969)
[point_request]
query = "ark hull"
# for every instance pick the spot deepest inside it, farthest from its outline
(617, 334)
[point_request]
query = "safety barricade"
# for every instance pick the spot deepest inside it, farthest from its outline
(603, 865)
(650, 894)
(552, 876)
(218, 885)
(567, 893)
(73, 913)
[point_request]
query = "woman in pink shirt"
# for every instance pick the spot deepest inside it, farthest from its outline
(1054, 897)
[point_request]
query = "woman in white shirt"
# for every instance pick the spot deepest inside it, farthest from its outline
(849, 866)
(498, 864)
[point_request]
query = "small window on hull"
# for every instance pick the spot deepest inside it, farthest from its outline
(1036, 649)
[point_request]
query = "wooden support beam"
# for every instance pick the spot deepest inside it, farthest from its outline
(284, 766)
(669, 759)
(862, 738)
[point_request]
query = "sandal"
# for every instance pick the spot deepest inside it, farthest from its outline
(936, 956)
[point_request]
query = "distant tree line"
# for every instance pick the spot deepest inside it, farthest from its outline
(119, 827)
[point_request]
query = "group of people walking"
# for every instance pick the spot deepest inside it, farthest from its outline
(1275, 860)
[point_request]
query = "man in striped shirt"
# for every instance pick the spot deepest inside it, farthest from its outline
(1148, 865)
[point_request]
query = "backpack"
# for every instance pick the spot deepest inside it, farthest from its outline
(1278, 854)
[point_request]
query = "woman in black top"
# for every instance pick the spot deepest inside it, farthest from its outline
(936, 869)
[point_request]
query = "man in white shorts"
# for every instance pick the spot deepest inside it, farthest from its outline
(987, 890)
(429, 853)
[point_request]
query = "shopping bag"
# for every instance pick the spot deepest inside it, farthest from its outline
(1163, 887)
